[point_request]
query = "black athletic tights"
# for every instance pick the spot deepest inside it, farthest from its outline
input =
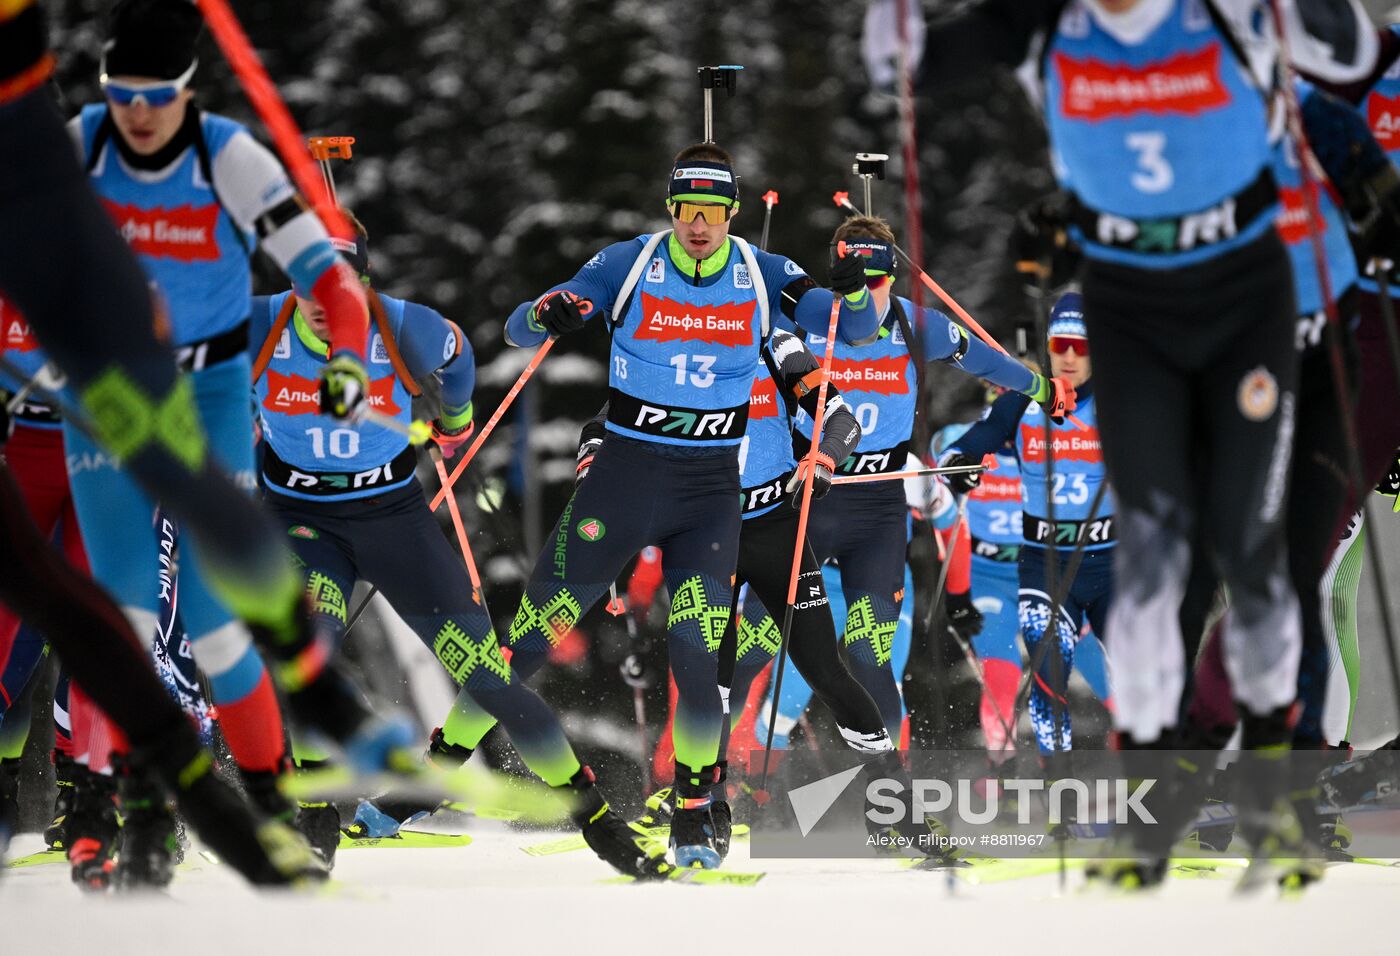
(765, 563)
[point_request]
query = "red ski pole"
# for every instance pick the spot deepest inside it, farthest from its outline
(461, 466)
(263, 96)
(809, 465)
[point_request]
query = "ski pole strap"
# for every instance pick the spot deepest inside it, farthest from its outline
(386, 335)
(284, 315)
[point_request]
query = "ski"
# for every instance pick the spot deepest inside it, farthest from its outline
(405, 839)
(529, 801)
(40, 858)
(569, 844)
(697, 878)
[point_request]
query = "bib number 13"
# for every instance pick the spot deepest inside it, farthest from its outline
(1154, 174)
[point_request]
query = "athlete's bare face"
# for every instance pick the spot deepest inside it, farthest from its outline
(699, 238)
(145, 128)
(1072, 366)
(1117, 6)
(315, 317)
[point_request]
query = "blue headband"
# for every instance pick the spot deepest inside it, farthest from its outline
(703, 181)
(1067, 317)
(878, 255)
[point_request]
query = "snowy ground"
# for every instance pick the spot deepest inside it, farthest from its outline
(490, 897)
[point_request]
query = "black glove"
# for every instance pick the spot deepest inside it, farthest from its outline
(847, 275)
(586, 451)
(1040, 241)
(963, 482)
(560, 313)
(964, 616)
(821, 481)
(344, 389)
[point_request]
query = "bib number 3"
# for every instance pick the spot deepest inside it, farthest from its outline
(1154, 174)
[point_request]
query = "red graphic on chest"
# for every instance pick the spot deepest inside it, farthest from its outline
(184, 233)
(995, 487)
(666, 320)
(763, 402)
(17, 338)
(1076, 445)
(295, 395)
(887, 376)
(1188, 83)
(1383, 115)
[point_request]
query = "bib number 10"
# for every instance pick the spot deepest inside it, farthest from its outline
(343, 442)
(1154, 174)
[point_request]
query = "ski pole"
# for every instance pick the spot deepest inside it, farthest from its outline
(1334, 348)
(418, 432)
(456, 514)
(770, 199)
(810, 465)
(496, 416)
(844, 201)
(268, 104)
(916, 473)
(945, 555)
(360, 609)
(634, 675)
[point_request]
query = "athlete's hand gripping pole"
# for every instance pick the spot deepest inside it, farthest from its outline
(1360, 492)
(844, 201)
(810, 465)
(496, 416)
(770, 199)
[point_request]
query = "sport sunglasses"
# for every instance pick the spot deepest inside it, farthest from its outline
(712, 213)
(159, 93)
(1060, 344)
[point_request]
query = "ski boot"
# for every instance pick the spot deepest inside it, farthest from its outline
(1127, 872)
(915, 830)
(627, 847)
(265, 852)
(1280, 849)
(93, 828)
(65, 771)
(149, 849)
(319, 823)
(693, 828)
(660, 807)
(443, 755)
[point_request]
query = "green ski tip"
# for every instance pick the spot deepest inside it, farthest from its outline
(571, 843)
(37, 859)
(405, 839)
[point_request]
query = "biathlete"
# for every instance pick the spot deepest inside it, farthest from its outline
(192, 193)
(864, 527)
(689, 309)
(1079, 472)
